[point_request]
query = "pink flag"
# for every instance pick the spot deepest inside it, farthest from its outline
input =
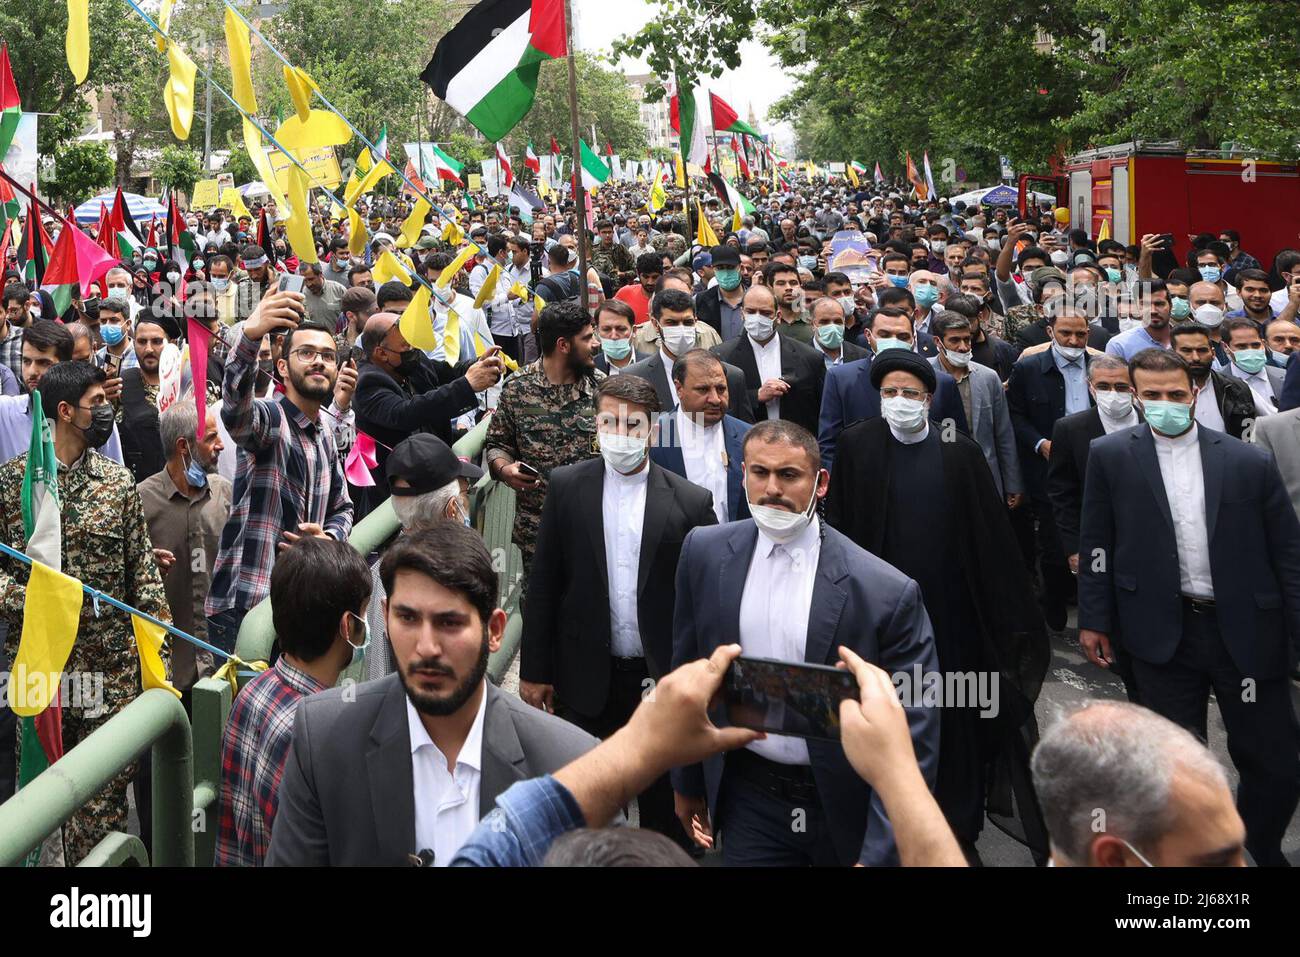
(92, 262)
(200, 338)
(361, 459)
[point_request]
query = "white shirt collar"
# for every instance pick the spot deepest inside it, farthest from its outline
(1177, 441)
(471, 752)
(806, 541)
(911, 438)
(696, 432)
(638, 477)
(764, 346)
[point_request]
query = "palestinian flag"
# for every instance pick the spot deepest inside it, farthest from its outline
(531, 160)
(726, 120)
(486, 67)
(11, 107)
(688, 120)
(733, 197)
(9, 205)
(122, 214)
(264, 238)
(879, 176)
(75, 265)
(594, 171)
(181, 245)
(121, 226)
(507, 173)
(34, 250)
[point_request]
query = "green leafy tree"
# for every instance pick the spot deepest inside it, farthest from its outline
(605, 99)
(178, 168)
(241, 167)
(80, 171)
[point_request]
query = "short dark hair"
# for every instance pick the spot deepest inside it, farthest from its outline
(1189, 329)
(312, 585)
(560, 320)
(1255, 275)
(615, 847)
(46, 334)
(619, 308)
(673, 299)
(15, 292)
(356, 298)
(894, 256)
(221, 258)
(67, 382)
(896, 296)
(1229, 326)
(775, 267)
(453, 556)
(782, 430)
(836, 277)
(1159, 360)
(946, 321)
(630, 389)
(496, 244)
(1146, 288)
(648, 263)
(964, 304)
(357, 270)
(391, 291)
(693, 359)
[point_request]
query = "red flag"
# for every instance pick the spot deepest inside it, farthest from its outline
(413, 176)
(555, 147)
(915, 179)
(530, 159)
(708, 164)
(609, 148)
(152, 239)
(100, 230)
(200, 338)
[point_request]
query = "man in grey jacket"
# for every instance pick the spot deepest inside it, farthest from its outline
(399, 771)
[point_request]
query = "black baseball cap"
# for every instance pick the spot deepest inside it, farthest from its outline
(427, 463)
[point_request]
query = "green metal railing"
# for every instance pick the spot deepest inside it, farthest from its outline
(156, 719)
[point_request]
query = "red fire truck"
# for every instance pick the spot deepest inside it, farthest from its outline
(1158, 187)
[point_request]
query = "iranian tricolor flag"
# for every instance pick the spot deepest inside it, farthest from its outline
(594, 171)
(879, 176)
(507, 172)
(531, 160)
(381, 145)
(688, 121)
(485, 67)
(11, 107)
(435, 160)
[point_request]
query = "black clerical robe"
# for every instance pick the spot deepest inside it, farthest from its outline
(933, 511)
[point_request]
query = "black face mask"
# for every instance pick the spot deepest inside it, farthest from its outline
(408, 361)
(101, 425)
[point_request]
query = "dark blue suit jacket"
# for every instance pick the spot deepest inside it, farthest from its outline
(666, 452)
(1290, 397)
(848, 396)
(1129, 584)
(858, 601)
(1036, 399)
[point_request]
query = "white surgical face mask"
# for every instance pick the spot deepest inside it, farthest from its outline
(1114, 405)
(1129, 322)
(678, 340)
(959, 359)
(848, 304)
(1208, 314)
(622, 453)
(904, 414)
(1068, 353)
(759, 326)
(779, 525)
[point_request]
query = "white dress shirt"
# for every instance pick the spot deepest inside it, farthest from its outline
(1261, 389)
(1109, 425)
(668, 374)
(1207, 408)
(911, 438)
(1184, 478)
(623, 511)
(774, 613)
(704, 450)
(768, 359)
(446, 802)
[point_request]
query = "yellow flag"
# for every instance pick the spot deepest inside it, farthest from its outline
(178, 94)
(414, 223)
(416, 324)
(387, 268)
(451, 337)
(851, 173)
(356, 234)
(319, 129)
(148, 644)
(77, 44)
(1104, 231)
(240, 48)
(452, 233)
(373, 176)
(704, 234)
(681, 170)
(231, 199)
(164, 21)
(50, 615)
(300, 89)
(253, 144)
(298, 228)
(736, 222)
(480, 347)
(447, 275)
(489, 287)
(354, 181)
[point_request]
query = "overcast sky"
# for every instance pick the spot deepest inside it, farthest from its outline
(760, 80)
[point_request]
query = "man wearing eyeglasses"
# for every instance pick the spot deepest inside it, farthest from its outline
(289, 477)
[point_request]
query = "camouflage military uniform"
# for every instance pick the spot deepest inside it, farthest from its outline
(670, 243)
(1018, 317)
(545, 426)
(105, 545)
(612, 259)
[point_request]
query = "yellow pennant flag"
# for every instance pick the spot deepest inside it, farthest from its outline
(357, 234)
(164, 21)
(658, 198)
(416, 324)
(480, 347)
(300, 89)
(704, 234)
(178, 94)
(371, 179)
(851, 173)
(414, 223)
(148, 644)
(253, 144)
(736, 222)
(231, 199)
(298, 228)
(489, 287)
(681, 170)
(387, 268)
(77, 42)
(362, 165)
(451, 233)
(1104, 231)
(51, 612)
(240, 47)
(465, 255)
(319, 129)
(451, 337)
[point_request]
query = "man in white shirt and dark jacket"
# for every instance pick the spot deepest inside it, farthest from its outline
(928, 505)
(598, 624)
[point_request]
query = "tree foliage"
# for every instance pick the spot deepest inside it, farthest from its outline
(605, 98)
(80, 171)
(178, 168)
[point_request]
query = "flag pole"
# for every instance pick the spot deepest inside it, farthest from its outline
(579, 193)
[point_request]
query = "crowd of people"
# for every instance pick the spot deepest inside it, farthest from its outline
(914, 466)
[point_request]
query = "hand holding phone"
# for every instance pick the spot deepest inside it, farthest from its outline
(290, 283)
(785, 697)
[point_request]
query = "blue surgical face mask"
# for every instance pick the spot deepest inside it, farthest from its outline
(1179, 308)
(728, 279)
(220, 285)
(926, 295)
(1211, 273)
(1167, 418)
(195, 473)
(808, 262)
(899, 282)
(112, 335)
(1113, 274)
(883, 344)
(616, 349)
(356, 625)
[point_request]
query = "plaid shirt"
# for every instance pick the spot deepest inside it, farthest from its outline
(11, 351)
(519, 831)
(253, 754)
(289, 472)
